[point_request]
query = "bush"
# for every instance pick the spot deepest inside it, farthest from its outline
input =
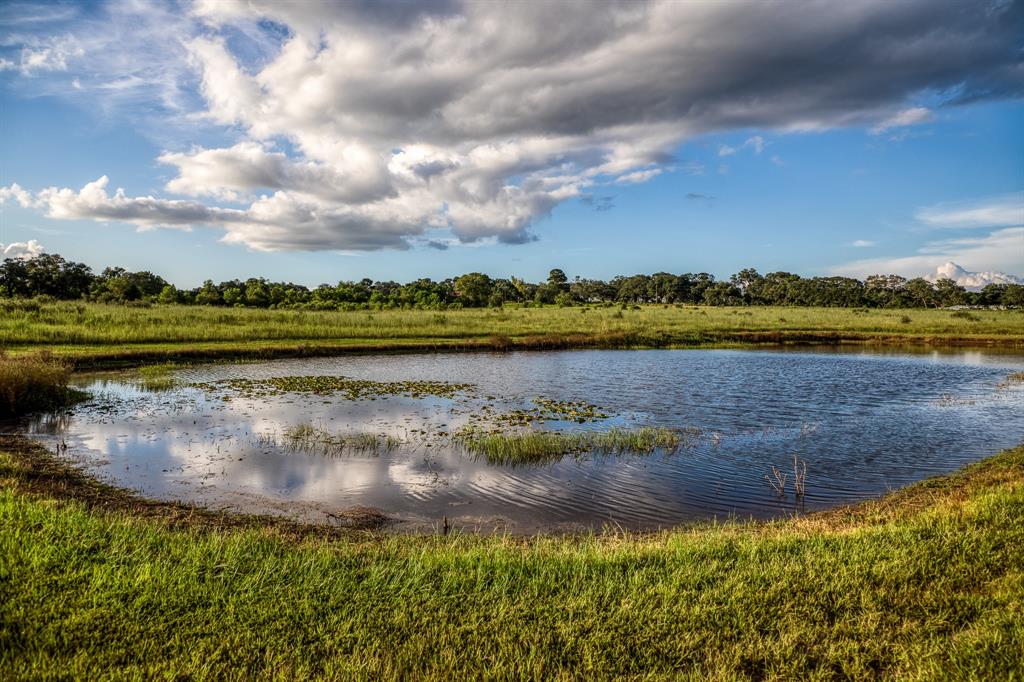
(32, 383)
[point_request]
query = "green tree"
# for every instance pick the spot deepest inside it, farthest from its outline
(473, 289)
(168, 295)
(208, 294)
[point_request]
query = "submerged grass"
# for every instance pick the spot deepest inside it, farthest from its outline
(310, 439)
(158, 377)
(533, 447)
(927, 583)
(34, 382)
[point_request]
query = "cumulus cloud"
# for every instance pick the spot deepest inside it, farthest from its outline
(365, 124)
(1000, 250)
(29, 249)
(990, 212)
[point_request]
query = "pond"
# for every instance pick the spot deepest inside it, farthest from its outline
(862, 423)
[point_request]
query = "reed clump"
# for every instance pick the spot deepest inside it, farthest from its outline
(30, 383)
(535, 447)
(310, 439)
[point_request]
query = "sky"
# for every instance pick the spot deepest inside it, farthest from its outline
(316, 142)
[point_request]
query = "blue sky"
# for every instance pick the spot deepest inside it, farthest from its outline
(247, 143)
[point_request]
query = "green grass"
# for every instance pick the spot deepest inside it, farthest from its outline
(533, 447)
(927, 583)
(97, 332)
(37, 381)
(307, 438)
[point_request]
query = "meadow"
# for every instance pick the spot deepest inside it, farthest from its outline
(98, 333)
(95, 582)
(925, 583)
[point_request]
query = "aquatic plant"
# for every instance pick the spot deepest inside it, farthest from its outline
(1012, 379)
(158, 377)
(533, 447)
(309, 439)
(34, 382)
(348, 388)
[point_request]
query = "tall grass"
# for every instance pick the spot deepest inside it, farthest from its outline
(82, 328)
(33, 382)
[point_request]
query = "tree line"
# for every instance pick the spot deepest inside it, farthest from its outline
(50, 275)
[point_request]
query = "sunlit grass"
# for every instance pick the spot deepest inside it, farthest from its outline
(924, 584)
(92, 329)
(28, 383)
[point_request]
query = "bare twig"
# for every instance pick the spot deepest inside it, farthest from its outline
(799, 476)
(777, 481)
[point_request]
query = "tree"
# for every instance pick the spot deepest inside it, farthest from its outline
(557, 279)
(473, 289)
(948, 293)
(168, 295)
(257, 293)
(208, 294)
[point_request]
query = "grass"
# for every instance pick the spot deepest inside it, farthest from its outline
(926, 583)
(533, 447)
(98, 333)
(38, 381)
(310, 439)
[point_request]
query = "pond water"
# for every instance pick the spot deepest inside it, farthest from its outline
(863, 423)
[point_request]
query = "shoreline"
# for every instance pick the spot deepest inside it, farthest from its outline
(128, 356)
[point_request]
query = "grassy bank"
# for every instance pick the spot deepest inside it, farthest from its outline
(925, 583)
(96, 333)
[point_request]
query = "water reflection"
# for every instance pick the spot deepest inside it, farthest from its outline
(863, 422)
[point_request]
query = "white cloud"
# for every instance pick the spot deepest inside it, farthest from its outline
(360, 127)
(1001, 250)
(906, 117)
(861, 243)
(638, 176)
(29, 249)
(756, 143)
(991, 212)
(726, 150)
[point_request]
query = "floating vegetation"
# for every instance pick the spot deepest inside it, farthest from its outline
(548, 410)
(158, 377)
(1014, 379)
(348, 388)
(309, 439)
(533, 447)
(950, 400)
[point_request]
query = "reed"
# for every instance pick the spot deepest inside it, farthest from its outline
(310, 439)
(32, 383)
(535, 447)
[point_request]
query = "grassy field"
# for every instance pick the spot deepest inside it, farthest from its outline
(101, 333)
(927, 583)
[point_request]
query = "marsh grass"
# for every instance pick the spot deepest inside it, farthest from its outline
(537, 447)
(310, 439)
(109, 333)
(158, 377)
(34, 382)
